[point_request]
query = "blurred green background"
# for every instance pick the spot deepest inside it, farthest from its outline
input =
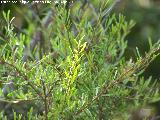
(146, 13)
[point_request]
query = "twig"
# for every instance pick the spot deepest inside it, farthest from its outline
(132, 70)
(95, 13)
(109, 10)
(45, 100)
(23, 76)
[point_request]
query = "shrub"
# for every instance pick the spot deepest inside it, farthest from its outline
(73, 67)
